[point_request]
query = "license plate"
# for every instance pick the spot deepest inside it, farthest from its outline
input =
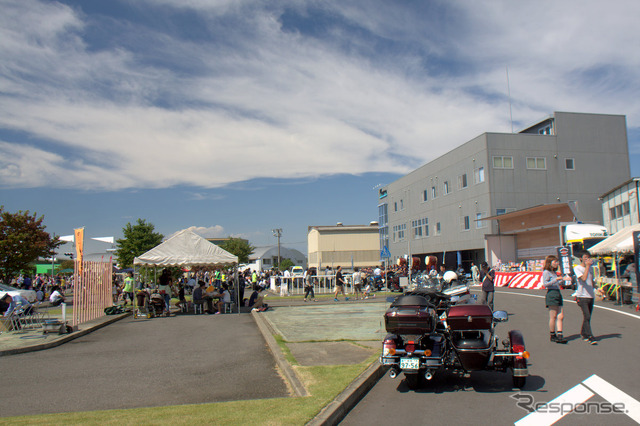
(410, 363)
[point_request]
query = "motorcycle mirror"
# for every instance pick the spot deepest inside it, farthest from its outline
(500, 316)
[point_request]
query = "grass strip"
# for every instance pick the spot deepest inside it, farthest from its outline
(285, 350)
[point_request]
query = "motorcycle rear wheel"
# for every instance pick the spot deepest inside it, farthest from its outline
(519, 382)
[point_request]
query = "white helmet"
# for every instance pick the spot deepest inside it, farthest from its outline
(450, 276)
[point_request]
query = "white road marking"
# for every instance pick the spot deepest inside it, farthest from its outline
(579, 394)
(574, 396)
(614, 395)
(572, 301)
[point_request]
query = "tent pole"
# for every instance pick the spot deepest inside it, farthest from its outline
(237, 285)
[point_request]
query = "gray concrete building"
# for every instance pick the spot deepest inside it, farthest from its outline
(442, 207)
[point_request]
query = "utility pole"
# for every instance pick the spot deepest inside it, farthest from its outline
(278, 233)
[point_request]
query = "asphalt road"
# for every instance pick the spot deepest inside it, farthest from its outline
(144, 363)
(488, 397)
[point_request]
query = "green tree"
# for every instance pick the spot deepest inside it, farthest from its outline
(285, 263)
(138, 239)
(66, 264)
(238, 247)
(22, 240)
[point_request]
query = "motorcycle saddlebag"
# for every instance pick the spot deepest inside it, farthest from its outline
(410, 319)
(469, 317)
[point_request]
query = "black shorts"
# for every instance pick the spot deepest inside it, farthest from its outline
(553, 298)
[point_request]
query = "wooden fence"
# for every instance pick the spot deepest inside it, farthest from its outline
(91, 290)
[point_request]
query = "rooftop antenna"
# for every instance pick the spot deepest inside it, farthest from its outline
(509, 95)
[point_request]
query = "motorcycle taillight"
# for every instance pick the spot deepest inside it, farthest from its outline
(518, 348)
(410, 346)
(388, 347)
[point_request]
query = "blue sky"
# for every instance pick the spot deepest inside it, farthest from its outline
(238, 116)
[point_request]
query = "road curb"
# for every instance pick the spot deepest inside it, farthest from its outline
(336, 410)
(285, 367)
(66, 338)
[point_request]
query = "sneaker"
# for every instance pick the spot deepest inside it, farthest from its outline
(562, 340)
(592, 341)
(335, 300)
(553, 338)
(586, 339)
(217, 313)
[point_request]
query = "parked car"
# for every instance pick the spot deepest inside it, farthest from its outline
(30, 295)
(297, 271)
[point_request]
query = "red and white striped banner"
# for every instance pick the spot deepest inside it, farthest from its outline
(528, 280)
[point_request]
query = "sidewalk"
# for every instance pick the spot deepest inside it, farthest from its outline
(16, 342)
(327, 333)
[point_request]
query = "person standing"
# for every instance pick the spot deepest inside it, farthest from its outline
(339, 284)
(585, 295)
(553, 299)
(475, 274)
(165, 282)
(128, 288)
(487, 276)
(357, 282)
(309, 280)
(284, 284)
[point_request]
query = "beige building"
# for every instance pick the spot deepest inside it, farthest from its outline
(343, 245)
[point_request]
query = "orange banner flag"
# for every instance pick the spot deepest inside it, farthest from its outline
(79, 233)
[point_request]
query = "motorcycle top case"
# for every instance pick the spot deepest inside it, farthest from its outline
(410, 315)
(469, 317)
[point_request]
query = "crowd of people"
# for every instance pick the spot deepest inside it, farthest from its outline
(210, 291)
(46, 288)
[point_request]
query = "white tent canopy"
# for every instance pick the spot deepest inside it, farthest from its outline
(620, 242)
(186, 248)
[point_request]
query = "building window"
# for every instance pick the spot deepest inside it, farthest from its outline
(446, 187)
(503, 211)
(478, 175)
(438, 229)
(383, 228)
(462, 181)
(479, 222)
(536, 163)
(420, 228)
(395, 206)
(545, 130)
(434, 192)
(465, 223)
(425, 195)
(401, 204)
(619, 211)
(569, 164)
(398, 232)
(384, 236)
(501, 162)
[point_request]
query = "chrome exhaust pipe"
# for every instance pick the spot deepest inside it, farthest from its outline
(428, 375)
(393, 373)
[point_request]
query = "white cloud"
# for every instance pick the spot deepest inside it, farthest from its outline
(261, 100)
